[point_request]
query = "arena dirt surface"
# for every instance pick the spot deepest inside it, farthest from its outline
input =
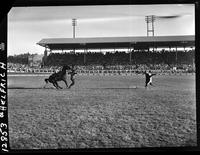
(102, 112)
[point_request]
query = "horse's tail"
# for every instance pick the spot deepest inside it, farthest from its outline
(46, 80)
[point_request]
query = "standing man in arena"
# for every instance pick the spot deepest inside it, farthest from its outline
(148, 76)
(72, 73)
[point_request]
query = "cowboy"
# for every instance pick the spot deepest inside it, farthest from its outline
(72, 73)
(148, 77)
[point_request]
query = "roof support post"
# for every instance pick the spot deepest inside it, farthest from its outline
(84, 56)
(153, 46)
(74, 50)
(176, 56)
(130, 54)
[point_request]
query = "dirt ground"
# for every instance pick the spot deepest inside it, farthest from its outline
(102, 112)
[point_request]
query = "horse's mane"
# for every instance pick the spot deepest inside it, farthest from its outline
(66, 67)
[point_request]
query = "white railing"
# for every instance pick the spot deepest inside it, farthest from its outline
(97, 72)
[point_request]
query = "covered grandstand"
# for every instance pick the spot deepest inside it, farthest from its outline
(131, 44)
(118, 42)
(136, 59)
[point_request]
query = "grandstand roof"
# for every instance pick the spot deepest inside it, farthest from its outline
(118, 42)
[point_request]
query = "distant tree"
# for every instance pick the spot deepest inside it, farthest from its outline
(21, 58)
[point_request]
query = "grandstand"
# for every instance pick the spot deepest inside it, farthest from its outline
(142, 54)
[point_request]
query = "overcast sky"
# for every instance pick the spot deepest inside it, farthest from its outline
(28, 25)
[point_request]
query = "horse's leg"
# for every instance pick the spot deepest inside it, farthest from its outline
(46, 80)
(45, 85)
(57, 85)
(65, 83)
(54, 84)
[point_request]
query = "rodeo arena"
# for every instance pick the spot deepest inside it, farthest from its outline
(112, 101)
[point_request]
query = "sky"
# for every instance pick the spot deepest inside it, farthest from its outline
(28, 25)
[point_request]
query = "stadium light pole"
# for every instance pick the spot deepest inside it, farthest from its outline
(74, 24)
(150, 25)
(150, 20)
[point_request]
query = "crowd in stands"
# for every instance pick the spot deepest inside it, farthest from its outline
(17, 67)
(121, 58)
(117, 61)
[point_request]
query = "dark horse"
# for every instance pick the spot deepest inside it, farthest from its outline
(59, 76)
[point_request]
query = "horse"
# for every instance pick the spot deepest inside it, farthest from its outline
(59, 76)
